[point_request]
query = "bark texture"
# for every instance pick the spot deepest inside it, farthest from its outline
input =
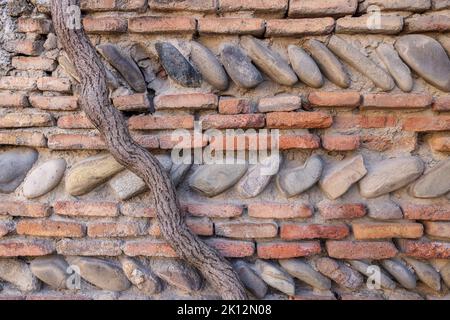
(109, 121)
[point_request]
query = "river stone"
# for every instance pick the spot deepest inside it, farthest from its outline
(361, 63)
(125, 65)
(127, 185)
(213, 179)
(258, 176)
(339, 273)
(51, 270)
(177, 274)
(144, 279)
(427, 57)
(269, 61)
(390, 175)
(305, 67)
(426, 273)
(363, 268)
(444, 40)
(86, 175)
(384, 209)
(445, 274)
(18, 274)
(208, 65)
(338, 178)
(178, 172)
(275, 277)
(177, 66)
(330, 66)
(44, 178)
(435, 182)
(251, 280)
(400, 272)
(14, 166)
(239, 67)
(303, 271)
(396, 67)
(101, 273)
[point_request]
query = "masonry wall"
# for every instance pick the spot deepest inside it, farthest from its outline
(364, 140)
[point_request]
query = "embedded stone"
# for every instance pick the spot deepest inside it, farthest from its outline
(269, 61)
(275, 277)
(293, 181)
(390, 175)
(14, 166)
(44, 178)
(402, 294)
(177, 66)
(251, 281)
(434, 183)
(396, 67)
(304, 272)
(337, 179)
(445, 42)
(208, 65)
(18, 274)
(364, 268)
(68, 66)
(426, 273)
(144, 279)
(305, 67)
(400, 273)
(240, 68)
(125, 65)
(177, 274)
(427, 57)
(384, 209)
(339, 273)
(51, 270)
(445, 274)
(178, 172)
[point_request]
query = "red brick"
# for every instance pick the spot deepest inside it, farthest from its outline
(424, 249)
(23, 138)
(388, 24)
(331, 211)
(26, 247)
(34, 25)
(26, 47)
(54, 84)
(114, 229)
(299, 27)
(182, 141)
(325, 99)
(437, 229)
(427, 212)
(195, 101)
(105, 25)
(58, 103)
(199, 226)
(340, 142)
(396, 101)
(26, 120)
(149, 248)
(147, 141)
(68, 141)
(86, 209)
(162, 25)
(83, 247)
(235, 105)
(272, 210)
(50, 228)
(239, 26)
(287, 250)
(232, 248)
(242, 121)
(134, 102)
(299, 231)
(440, 142)
(361, 249)
(183, 5)
(137, 210)
(386, 230)
(143, 122)
(258, 6)
(75, 121)
(441, 104)
(298, 120)
(427, 23)
(213, 210)
(244, 229)
(98, 5)
(13, 100)
(33, 63)
(427, 123)
(18, 83)
(24, 209)
(361, 121)
(313, 8)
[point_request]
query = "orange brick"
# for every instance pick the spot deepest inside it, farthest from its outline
(440, 142)
(437, 229)
(313, 8)
(149, 248)
(134, 102)
(442, 104)
(82, 247)
(232, 248)
(162, 25)
(18, 83)
(424, 249)
(26, 120)
(23, 138)
(26, 247)
(331, 211)
(239, 26)
(75, 121)
(258, 6)
(325, 99)
(438, 212)
(68, 141)
(396, 101)
(375, 250)
(270, 210)
(183, 141)
(183, 5)
(294, 141)
(340, 142)
(34, 25)
(13, 100)
(33, 63)
(195, 101)
(427, 123)
(50, 228)
(287, 250)
(27, 47)
(298, 120)
(105, 25)
(385, 230)
(213, 210)
(299, 231)
(58, 103)
(114, 229)
(242, 121)
(98, 5)
(86, 209)
(235, 105)
(249, 230)
(200, 226)
(144, 122)
(299, 27)
(364, 121)
(54, 84)
(24, 209)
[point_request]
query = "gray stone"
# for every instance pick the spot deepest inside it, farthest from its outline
(178, 172)
(165, 160)
(14, 166)
(251, 280)
(293, 181)
(305, 67)
(400, 273)
(426, 273)
(208, 65)
(44, 178)
(240, 68)
(396, 67)
(330, 66)
(51, 270)
(402, 294)
(303, 271)
(445, 274)
(101, 273)
(177, 274)
(18, 274)
(390, 175)
(275, 277)
(445, 42)
(426, 57)
(68, 66)
(51, 42)
(269, 61)
(434, 183)
(144, 279)
(385, 280)
(360, 62)
(125, 65)
(339, 273)
(337, 179)
(127, 185)
(177, 66)
(383, 209)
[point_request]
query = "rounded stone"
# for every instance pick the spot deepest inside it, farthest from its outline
(401, 273)
(434, 183)
(44, 178)
(51, 270)
(275, 277)
(305, 67)
(18, 273)
(14, 166)
(251, 280)
(396, 67)
(304, 272)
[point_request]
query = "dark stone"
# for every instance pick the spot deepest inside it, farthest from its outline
(251, 280)
(177, 274)
(14, 166)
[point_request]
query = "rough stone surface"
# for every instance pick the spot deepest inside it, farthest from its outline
(44, 178)
(51, 270)
(18, 274)
(127, 185)
(396, 67)
(304, 272)
(400, 272)
(434, 183)
(250, 279)
(144, 279)
(384, 210)
(178, 172)
(305, 67)
(14, 166)
(364, 268)
(275, 277)
(339, 273)
(177, 274)
(426, 273)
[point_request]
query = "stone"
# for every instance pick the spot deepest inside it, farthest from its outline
(213, 179)
(251, 281)
(364, 268)
(14, 166)
(337, 179)
(402, 294)
(101, 273)
(88, 174)
(339, 273)
(177, 66)
(304, 272)
(178, 172)
(396, 67)
(144, 279)
(239, 67)
(293, 181)
(427, 57)
(126, 185)
(305, 67)
(209, 66)
(275, 277)
(68, 66)
(329, 65)
(52, 270)
(18, 274)
(445, 274)
(426, 273)
(400, 272)
(361, 63)
(44, 178)
(51, 42)
(434, 183)
(177, 274)
(384, 209)
(445, 42)
(125, 65)
(390, 175)
(269, 61)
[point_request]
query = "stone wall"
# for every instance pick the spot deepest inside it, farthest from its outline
(357, 89)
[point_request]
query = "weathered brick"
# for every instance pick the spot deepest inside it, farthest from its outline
(258, 6)
(299, 231)
(232, 248)
(242, 121)
(396, 101)
(364, 121)
(385, 25)
(84, 247)
(195, 101)
(235, 105)
(50, 228)
(54, 84)
(18, 83)
(431, 212)
(246, 229)
(144, 122)
(239, 26)
(58, 103)
(137, 210)
(425, 249)
(26, 120)
(440, 4)
(149, 248)
(294, 141)
(375, 250)
(162, 25)
(334, 142)
(114, 229)
(325, 99)
(331, 211)
(270, 210)
(13, 100)
(181, 141)
(213, 210)
(299, 27)
(23, 138)
(105, 25)
(69, 141)
(200, 226)
(5, 228)
(287, 250)
(437, 229)
(27, 47)
(110, 5)
(298, 120)
(441, 104)
(440, 142)
(34, 25)
(134, 102)
(147, 141)
(385, 230)
(426, 23)
(254, 141)
(381, 142)
(313, 8)
(33, 63)
(86, 209)
(427, 123)
(183, 5)
(24, 209)
(75, 121)
(26, 247)
(401, 5)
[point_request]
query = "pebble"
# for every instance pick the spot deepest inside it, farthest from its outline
(51, 270)
(177, 274)
(426, 273)
(275, 277)
(363, 267)
(126, 185)
(18, 274)
(305, 67)
(44, 178)
(434, 183)
(304, 272)
(396, 67)
(14, 166)
(384, 209)
(339, 273)
(400, 272)
(250, 279)
(144, 279)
